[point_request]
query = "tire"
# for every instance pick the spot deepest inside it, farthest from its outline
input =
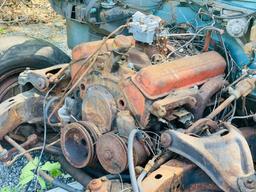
(19, 52)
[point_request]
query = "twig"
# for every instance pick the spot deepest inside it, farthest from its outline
(3, 4)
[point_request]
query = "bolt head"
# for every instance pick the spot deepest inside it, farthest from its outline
(166, 139)
(108, 155)
(95, 184)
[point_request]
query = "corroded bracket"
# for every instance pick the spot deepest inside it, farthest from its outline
(25, 107)
(41, 78)
(224, 157)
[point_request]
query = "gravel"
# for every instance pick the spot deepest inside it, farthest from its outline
(9, 176)
(53, 32)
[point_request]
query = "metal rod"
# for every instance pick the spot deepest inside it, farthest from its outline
(221, 107)
(28, 156)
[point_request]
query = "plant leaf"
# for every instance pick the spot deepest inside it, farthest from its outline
(48, 166)
(26, 177)
(55, 173)
(31, 165)
(6, 189)
(2, 31)
(42, 183)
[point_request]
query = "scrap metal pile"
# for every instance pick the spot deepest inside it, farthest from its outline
(148, 112)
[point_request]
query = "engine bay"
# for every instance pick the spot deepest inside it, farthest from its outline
(159, 110)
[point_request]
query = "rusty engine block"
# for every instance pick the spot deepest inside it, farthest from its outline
(116, 97)
(118, 93)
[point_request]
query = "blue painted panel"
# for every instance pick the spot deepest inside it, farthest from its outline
(247, 4)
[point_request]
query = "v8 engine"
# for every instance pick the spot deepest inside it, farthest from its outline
(124, 89)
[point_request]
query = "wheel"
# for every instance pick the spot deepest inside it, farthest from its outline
(20, 52)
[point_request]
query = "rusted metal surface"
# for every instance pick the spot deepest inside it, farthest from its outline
(77, 145)
(225, 157)
(207, 40)
(99, 108)
(41, 79)
(98, 186)
(31, 140)
(92, 129)
(136, 102)
(174, 100)
(9, 86)
(125, 123)
(157, 81)
(250, 134)
(86, 49)
(206, 92)
(138, 58)
(105, 185)
(198, 187)
(42, 173)
(111, 151)
(26, 107)
(201, 124)
(166, 177)
(178, 176)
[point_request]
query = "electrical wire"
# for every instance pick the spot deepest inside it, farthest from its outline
(242, 117)
(91, 58)
(225, 50)
(45, 133)
(234, 110)
(237, 16)
(194, 36)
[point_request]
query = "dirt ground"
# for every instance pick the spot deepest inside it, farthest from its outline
(33, 18)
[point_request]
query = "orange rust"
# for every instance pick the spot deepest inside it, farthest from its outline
(85, 49)
(12, 116)
(166, 177)
(25, 107)
(158, 80)
(95, 185)
(136, 101)
(202, 187)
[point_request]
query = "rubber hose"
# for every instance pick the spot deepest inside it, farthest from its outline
(125, 178)
(140, 179)
(131, 160)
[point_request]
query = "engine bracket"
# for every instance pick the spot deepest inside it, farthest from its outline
(25, 107)
(224, 157)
